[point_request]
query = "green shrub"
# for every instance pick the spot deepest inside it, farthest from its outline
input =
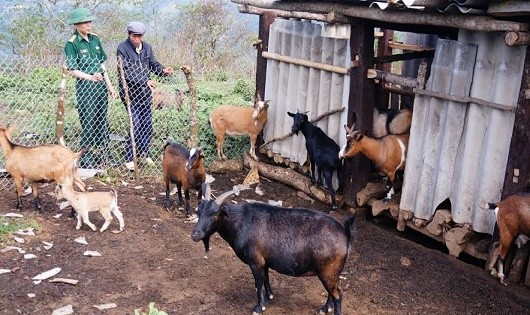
(244, 88)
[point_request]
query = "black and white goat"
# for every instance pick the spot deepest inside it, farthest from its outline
(323, 153)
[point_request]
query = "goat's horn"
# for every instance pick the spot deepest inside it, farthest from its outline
(206, 191)
(222, 198)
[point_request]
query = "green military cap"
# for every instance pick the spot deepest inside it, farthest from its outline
(80, 15)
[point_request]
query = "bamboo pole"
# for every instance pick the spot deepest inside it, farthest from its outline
(305, 63)
(193, 140)
(59, 120)
(131, 126)
(465, 21)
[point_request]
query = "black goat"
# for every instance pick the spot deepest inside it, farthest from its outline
(294, 242)
(185, 169)
(323, 153)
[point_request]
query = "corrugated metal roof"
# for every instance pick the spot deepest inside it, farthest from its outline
(450, 6)
(463, 6)
(459, 151)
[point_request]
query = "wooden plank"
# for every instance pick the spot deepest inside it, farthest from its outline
(405, 56)
(519, 154)
(361, 104)
(383, 49)
(408, 47)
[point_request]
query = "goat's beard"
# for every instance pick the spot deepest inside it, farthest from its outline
(206, 242)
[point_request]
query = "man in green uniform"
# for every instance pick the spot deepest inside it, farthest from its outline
(85, 60)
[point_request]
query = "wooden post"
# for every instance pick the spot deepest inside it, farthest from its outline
(193, 140)
(131, 126)
(383, 49)
(59, 120)
(265, 21)
(518, 164)
(360, 106)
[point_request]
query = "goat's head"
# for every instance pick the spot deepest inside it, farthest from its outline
(7, 131)
(59, 192)
(298, 121)
(209, 214)
(352, 146)
(260, 108)
(196, 155)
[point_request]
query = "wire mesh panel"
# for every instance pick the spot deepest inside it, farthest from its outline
(93, 119)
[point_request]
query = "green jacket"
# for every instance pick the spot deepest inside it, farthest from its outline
(86, 56)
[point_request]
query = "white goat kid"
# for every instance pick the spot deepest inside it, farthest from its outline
(106, 202)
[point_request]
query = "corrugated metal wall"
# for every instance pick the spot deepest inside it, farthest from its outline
(291, 87)
(459, 151)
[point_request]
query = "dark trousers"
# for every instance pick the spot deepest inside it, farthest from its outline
(143, 131)
(92, 107)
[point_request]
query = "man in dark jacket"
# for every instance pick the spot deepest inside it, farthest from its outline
(138, 62)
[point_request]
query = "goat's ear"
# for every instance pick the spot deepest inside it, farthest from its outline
(358, 136)
(290, 114)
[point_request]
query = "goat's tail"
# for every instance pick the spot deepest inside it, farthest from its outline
(350, 229)
(488, 205)
(115, 194)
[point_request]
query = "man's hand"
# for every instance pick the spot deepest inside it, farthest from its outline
(168, 70)
(151, 84)
(96, 77)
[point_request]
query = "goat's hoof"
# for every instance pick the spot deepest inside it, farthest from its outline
(386, 200)
(258, 310)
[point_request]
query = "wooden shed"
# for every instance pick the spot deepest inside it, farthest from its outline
(469, 139)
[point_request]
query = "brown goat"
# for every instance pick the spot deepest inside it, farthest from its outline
(163, 99)
(185, 169)
(391, 122)
(388, 153)
(513, 220)
(239, 120)
(40, 164)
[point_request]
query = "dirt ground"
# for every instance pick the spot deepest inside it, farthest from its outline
(155, 260)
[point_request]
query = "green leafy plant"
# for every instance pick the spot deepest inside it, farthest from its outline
(152, 311)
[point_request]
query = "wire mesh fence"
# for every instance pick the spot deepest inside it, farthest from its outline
(29, 95)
